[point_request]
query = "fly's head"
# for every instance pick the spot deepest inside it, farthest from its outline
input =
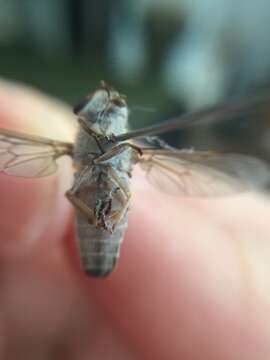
(104, 109)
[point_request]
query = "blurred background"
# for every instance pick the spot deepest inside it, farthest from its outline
(167, 57)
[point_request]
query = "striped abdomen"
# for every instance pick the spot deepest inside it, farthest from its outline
(99, 250)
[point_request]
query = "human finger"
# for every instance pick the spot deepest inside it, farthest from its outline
(186, 287)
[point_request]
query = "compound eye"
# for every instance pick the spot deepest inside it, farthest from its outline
(78, 108)
(118, 101)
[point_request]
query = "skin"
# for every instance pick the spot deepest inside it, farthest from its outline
(192, 281)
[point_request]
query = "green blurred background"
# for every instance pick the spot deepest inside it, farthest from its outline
(167, 57)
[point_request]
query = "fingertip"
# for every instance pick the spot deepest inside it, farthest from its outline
(29, 110)
(158, 285)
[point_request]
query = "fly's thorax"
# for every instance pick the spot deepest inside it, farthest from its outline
(104, 111)
(85, 149)
(83, 146)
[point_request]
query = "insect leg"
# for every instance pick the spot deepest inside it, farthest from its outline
(119, 182)
(99, 138)
(124, 198)
(117, 216)
(116, 150)
(82, 207)
(77, 202)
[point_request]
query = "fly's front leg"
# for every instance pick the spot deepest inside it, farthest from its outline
(92, 133)
(116, 150)
(99, 138)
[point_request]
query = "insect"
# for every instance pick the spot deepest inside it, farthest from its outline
(104, 153)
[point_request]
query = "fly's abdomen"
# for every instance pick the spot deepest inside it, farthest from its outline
(99, 249)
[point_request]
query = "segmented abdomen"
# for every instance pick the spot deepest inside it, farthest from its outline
(99, 249)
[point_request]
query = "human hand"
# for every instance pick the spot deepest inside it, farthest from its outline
(192, 281)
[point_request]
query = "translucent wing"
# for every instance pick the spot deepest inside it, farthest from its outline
(28, 155)
(194, 173)
(209, 115)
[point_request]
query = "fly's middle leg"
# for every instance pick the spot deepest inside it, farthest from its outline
(77, 202)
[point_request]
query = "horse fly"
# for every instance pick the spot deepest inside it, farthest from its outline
(103, 161)
(101, 187)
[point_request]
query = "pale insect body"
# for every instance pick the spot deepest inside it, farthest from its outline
(101, 191)
(103, 164)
